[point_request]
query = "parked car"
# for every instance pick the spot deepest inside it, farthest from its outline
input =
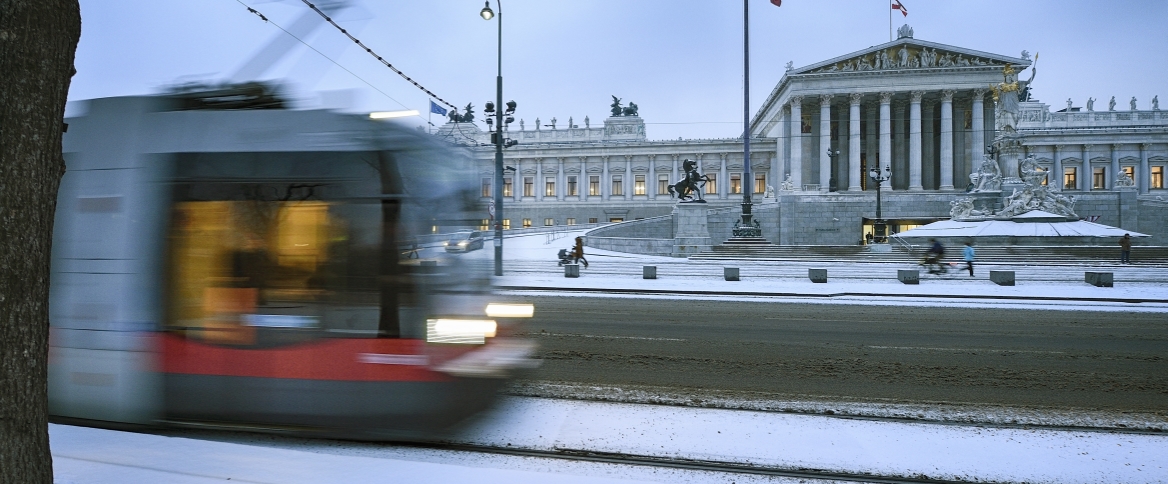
(464, 242)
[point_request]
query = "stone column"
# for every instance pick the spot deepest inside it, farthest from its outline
(605, 183)
(885, 135)
(824, 142)
(779, 168)
(928, 149)
(676, 174)
(797, 142)
(871, 143)
(947, 139)
(723, 179)
(1145, 173)
(539, 181)
(978, 118)
(854, 142)
(583, 179)
(1056, 182)
(517, 181)
(1085, 175)
(651, 179)
(1113, 173)
(627, 182)
(562, 180)
(914, 142)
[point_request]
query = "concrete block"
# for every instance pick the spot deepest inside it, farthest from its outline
(1100, 279)
(817, 275)
(730, 273)
(909, 276)
(571, 270)
(1002, 278)
(649, 272)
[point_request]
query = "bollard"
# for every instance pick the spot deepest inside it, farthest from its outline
(649, 272)
(909, 276)
(571, 270)
(817, 275)
(1099, 279)
(730, 273)
(1002, 278)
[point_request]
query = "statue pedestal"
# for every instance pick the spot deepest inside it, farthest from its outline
(691, 233)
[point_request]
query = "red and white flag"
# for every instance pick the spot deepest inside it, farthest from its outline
(896, 5)
(777, 3)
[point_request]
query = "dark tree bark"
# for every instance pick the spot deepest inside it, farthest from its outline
(38, 39)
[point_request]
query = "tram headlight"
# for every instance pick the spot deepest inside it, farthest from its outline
(496, 310)
(460, 331)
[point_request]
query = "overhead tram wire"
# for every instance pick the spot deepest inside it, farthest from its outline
(322, 54)
(374, 54)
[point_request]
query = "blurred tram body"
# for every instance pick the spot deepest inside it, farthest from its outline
(220, 260)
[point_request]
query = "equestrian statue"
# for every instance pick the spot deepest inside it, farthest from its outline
(689, 189)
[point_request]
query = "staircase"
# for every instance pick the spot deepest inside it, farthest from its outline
(763, 250)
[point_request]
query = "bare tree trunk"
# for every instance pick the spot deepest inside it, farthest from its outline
(38, 39)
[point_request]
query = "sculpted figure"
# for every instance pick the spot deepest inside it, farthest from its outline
(631, 110)
(770, 192)
(553, 125)
(585, 122)
(961, 208)
(1030, 172)
(570, 125)
(616, 106)
(537, 124)
(1090, 104)
(1068, 105)
(521, 128)
(454, 116)
(790, 65)
(989, 176)
(902, 57)
(1133, 103)
(1006, 97)
(787, 184)
(864, 65)
(1123, 180)
(690, 185)
(1111, 104)
(1156, 103)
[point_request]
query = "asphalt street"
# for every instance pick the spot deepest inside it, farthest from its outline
(1077, 359)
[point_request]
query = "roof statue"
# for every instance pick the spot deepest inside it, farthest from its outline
(616, 106)
(904, 32)
(631, 109)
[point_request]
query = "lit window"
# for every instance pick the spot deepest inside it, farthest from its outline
(617, 189)
(549, 186)
(528, 186)
(1099, 179)
(1157, 180)
(485, 224)
(638, 184)
(594, 185)
(735, 183)
(760, 183)
(1070, 178)
(486, 187)
(526, 223)
(548, 222)
(616, 219)
(712, 185)
(506, 224)
(572, 186)
(662, 184)
(1047, 177)
(433, 229)
(507, 187)
(571, 221)
(592, 220)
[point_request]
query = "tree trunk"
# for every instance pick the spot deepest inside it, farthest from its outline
(38, 39)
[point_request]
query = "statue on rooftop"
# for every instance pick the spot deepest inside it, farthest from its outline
(1133, 103)
(1111, 104)
(585, 122)
(616, 106)
(1090, 104)
(1156, 103)
(631, 110)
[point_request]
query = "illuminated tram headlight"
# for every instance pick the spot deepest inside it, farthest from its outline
(496, 310)
(460, 331)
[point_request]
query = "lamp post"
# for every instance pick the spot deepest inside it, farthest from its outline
(832, 154)
(879, 227)
(487, 14)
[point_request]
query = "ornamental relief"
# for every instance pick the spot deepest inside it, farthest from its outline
(906, 57)
(618, 129)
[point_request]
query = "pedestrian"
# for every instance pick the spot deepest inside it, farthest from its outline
(968, 253)
(578, 252)
(1125, 249)
(933, 257)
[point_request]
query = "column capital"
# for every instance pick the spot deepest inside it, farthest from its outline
(1145, 146)
(796, 100)
(1115, 146)
(917, 95)
(652, 156)
(979, 93)
(885, 97)
(1088, 146)
(1058, 148)
(855, 98)
(826, 98)
(947, 95)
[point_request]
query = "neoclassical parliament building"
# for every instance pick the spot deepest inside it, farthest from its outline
(919, 110)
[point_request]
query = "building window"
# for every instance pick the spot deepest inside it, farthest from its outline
(572, 186)
(593, 220)
(526, 223)
(486, 187)
(594, 185)
(549, 186)
(616, 219)
(485, 224)
(712, 185)
(1130, 171)
(735, 183)
(1157, 180)
(433, 229)
(528, 186)
(662, 184)
(507, 187)
(1099, 179)
(570, 221)
(1047, 177)
(548, 222)
(1070, 178)
(760, 183)
(506, 224)
(638, 184)
(616, 185)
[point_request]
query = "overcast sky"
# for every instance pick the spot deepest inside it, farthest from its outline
(679, 60)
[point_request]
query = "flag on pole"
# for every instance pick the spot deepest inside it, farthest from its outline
(436, 109)
(777, 3)
(896, 5)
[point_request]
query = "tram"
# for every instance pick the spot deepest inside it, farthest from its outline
(221, 260)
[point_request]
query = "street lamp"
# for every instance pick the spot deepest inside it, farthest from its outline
(488, 14)
(831, 181)
(879, 226)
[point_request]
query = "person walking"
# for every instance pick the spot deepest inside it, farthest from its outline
(1125, 249)
(578, 252)
(968, 253)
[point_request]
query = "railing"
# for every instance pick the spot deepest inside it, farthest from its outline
(902, 243)
(1040, 118)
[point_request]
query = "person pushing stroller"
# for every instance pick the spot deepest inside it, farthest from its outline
(575, 255)
(933, 258)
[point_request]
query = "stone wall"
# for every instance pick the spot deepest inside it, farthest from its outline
(660, 227)
(1153, 220)
(662, 247)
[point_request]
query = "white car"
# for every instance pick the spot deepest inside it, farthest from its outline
(464, 241)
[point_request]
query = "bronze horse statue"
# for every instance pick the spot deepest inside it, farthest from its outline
(690, 185)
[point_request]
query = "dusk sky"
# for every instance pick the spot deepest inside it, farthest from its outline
(679, 60)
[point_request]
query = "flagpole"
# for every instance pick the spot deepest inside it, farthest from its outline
(890, 24)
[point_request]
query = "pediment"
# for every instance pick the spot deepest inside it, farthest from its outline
(909, 53)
